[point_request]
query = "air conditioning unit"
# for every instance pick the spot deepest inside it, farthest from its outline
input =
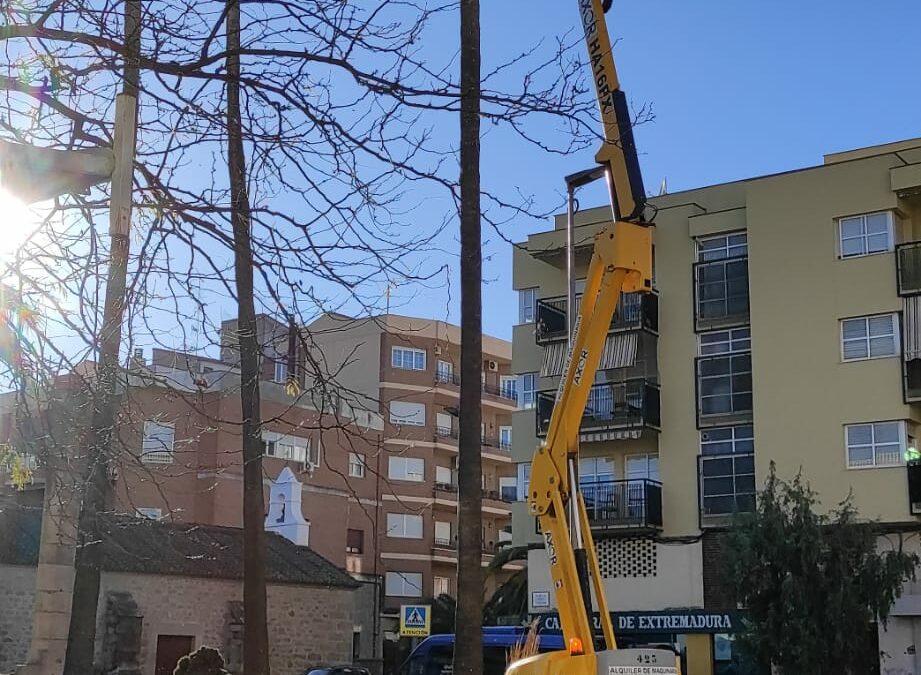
(437, 350)
(492, 366)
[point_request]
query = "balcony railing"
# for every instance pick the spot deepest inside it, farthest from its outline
(445, 487)
(623, 504)
(445, 432)
(501, 391)
(634, 311)
(908, 268)
(449, 544)
(624, 405)
(721, 294)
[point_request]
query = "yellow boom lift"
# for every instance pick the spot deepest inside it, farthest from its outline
(621, 262)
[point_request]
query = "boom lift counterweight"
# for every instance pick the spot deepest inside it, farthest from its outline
(621, 262)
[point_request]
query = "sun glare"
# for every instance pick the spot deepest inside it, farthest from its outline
(18, 221)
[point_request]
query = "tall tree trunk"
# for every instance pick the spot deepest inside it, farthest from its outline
(81, 635)
(256, 649)
(468, 651)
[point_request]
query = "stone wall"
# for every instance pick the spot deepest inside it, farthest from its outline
(17, 597)
(308, 626)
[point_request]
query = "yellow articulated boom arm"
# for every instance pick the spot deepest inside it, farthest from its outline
(621, 262)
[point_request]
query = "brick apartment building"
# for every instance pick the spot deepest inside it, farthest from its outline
(404, 372)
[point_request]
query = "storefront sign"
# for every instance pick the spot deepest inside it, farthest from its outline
(681, 621)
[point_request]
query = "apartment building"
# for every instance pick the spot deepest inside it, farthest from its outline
(408, 370)
(783, 328)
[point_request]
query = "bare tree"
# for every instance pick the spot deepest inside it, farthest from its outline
(256, 651)
(468, 652)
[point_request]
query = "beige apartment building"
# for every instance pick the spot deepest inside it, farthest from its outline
(783, 328)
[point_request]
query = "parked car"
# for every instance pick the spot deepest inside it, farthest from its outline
(339, 670)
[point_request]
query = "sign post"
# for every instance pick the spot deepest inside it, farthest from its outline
(415, 620)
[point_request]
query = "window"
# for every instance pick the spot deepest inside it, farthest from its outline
(443, 475)
(407, 412)
(406, 468)
(407, 358)
(524, 478)
(148, 512)
(721, 277)
(727, 483)
(642, 466)
(508, 488)
(508, 386)
(290, 448)
(505, 437)
(281, 370)
(357, 466)
(876, 444)
(865, 234)
(442, 586)
(158, 442)
(869, 337)
(404, 525)
(403, 584)
(442, 533)
(722, 247)
(725, 341)
(444, 371)
(444, 424)
(596, 470)
(724, 379)
(526, 390)
(727, 440)
(354, 541)
(527, 300)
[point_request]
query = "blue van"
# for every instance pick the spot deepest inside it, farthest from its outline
(435, 654)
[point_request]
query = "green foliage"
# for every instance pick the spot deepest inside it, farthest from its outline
(509, 602)
(811, 584)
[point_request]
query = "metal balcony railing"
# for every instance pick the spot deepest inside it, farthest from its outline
(501, 391)
(721, 297)
(623, 504)
(445, 487)
(908, 268)
(445, 432)
(634, 311)
(447, 377)
(622, 405)
(449, 544)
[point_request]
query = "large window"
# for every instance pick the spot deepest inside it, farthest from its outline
(281, 370)
(354, 541)
(505, 437)
(407, 412)
(403, 584)
(357, 466)
(404, 526)
(721, 278)
(444, 371)
(290, 448)
(724, 373)
(865, 234)
(406, 468)
(442, 533)
(526, 390)
(727, 470)
(869, 337)
(508, 488)
(527, 300)
(442, 586)
(875, 444)
(524, 479)
(157, 446)
(508, 386)
(407, 358)
(444, 475)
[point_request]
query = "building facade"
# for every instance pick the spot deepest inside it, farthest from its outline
(784, 329)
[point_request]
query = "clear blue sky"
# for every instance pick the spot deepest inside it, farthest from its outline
(739, 88)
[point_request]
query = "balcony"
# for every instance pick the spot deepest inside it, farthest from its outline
(445, 544)
(911, 380)
(721, 293)
(491, 444)
(635, 311)
(633, 404)
(908, 268)
(623, 504)
(507, 392)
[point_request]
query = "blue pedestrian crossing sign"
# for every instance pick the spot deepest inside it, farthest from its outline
(415, 620)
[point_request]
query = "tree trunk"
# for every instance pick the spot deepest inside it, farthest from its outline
(256, 649)
(468, 651)
(81, 635)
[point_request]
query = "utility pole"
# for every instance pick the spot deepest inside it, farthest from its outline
(468, 650)
(82, 633)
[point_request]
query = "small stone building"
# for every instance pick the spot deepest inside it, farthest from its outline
(168, 589)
